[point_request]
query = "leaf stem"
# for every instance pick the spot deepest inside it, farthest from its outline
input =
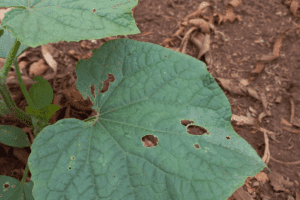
(22, 85)
(24, 175)
(4, 92)
(11, 55)
(90, 119)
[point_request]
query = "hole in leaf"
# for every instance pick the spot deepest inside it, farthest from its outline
(94, 10)
(6, 185)
(227, 137)
(93, 90)
(149, 140)
(197, 146)
(186, 122)
(196, 130)
(110, 78)
(193, 129)
(70, 167)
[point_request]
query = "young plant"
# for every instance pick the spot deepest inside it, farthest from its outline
(154, 89)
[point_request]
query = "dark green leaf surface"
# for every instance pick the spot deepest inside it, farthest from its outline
(11, 189)
(13, 136)
(41, 93)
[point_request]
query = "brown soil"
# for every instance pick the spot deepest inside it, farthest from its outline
(253, 54)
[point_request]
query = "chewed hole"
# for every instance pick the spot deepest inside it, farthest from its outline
(196, 130)
(149, 141)
(186, 122)
(110, 78)
(93, 90)
(6, 185)
(193, 129)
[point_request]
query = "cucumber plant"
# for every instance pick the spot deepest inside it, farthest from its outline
(154, 89)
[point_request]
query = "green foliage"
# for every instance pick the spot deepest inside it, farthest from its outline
(13, 136)
(48, 21)
(6, 40)
(154, 88)
(44, 113)
(41, 92)
(14, 190)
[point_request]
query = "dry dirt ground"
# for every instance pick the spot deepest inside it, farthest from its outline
(252, 49)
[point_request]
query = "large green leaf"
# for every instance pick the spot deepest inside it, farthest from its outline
(154, 89)
(42, 21)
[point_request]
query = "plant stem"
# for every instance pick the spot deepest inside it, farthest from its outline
(24, 175)
(22, 85)
(4, 92)
(12, 54)
(90, 119)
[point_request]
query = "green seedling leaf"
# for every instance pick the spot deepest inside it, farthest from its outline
(43, 113)
(11, 189)
(13, 136)
(41, 93)
(6, 42)
(45, 21)
(153, 89)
